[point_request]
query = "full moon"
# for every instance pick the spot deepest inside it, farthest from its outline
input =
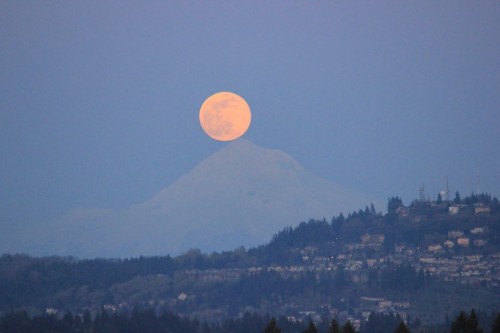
(225, 116)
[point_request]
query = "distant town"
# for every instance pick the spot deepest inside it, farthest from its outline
(422, 262)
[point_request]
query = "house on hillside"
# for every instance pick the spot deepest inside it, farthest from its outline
(434, 248)
(481, 209)
(372, 239)
(403, 211)
(385, 304)
(401, 305)
(453, 210)
(455, 233)
(477, 230)
(463, 241)
(449, 244)
(480, 242)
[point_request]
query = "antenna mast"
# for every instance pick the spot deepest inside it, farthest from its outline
(422, 192)
(447, 191)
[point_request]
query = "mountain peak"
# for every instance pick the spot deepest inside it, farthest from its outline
(239, 196)
(242, 158)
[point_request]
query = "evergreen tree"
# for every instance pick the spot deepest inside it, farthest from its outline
(311, 328)
(457, 199)
(466, 324)
(348, 328)
(459, 324)
(272, 327)
(402, 328)
(439, 198)
(373, 324)
(67, 322)
(341, 218)
(495, 327)
(473, 323)
(393, 204)
(334, 327)
(87, 320)
(16, 322)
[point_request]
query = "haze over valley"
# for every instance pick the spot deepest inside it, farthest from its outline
(239, 196)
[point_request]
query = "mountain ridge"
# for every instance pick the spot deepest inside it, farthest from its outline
(238, 196)
(363, 258)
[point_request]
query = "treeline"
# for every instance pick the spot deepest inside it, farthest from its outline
(24, 279)
(53, 281)
(149, 321)
(137, 321)
(31, 281)
(40, 289)
(482, 198)
(387, 323)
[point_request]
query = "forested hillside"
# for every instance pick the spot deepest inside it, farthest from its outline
(427, 260)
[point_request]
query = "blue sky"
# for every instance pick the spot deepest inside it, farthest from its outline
(99, 100)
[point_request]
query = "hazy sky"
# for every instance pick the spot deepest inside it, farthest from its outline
(99, 100)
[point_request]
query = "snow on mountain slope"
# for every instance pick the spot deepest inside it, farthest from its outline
(239, 196)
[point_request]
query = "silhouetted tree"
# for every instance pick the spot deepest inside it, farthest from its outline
(402, 328)
(393, 204)
(466, 324)
(348, 328)
(473, 323)
(334, 327)
(311, 328)
(380, 322)
(16, 322)
(459, 324)
(67, 322)
(272, 327)
(495, 327)
(87, 320)
(457, 199)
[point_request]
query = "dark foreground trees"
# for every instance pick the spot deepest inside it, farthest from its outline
(495, 327)
(149, 321)
(402, 328)
(348, 328)
(272, 327)
(466, 323)
(334, 327)
(311, 328)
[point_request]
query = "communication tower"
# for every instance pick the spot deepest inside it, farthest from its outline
(445, 194)
(422, 192)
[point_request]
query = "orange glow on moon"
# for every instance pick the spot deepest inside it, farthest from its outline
(225, 116)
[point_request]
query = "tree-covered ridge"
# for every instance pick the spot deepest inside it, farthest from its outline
(418, 224)
(149, 321)
(348, 265)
